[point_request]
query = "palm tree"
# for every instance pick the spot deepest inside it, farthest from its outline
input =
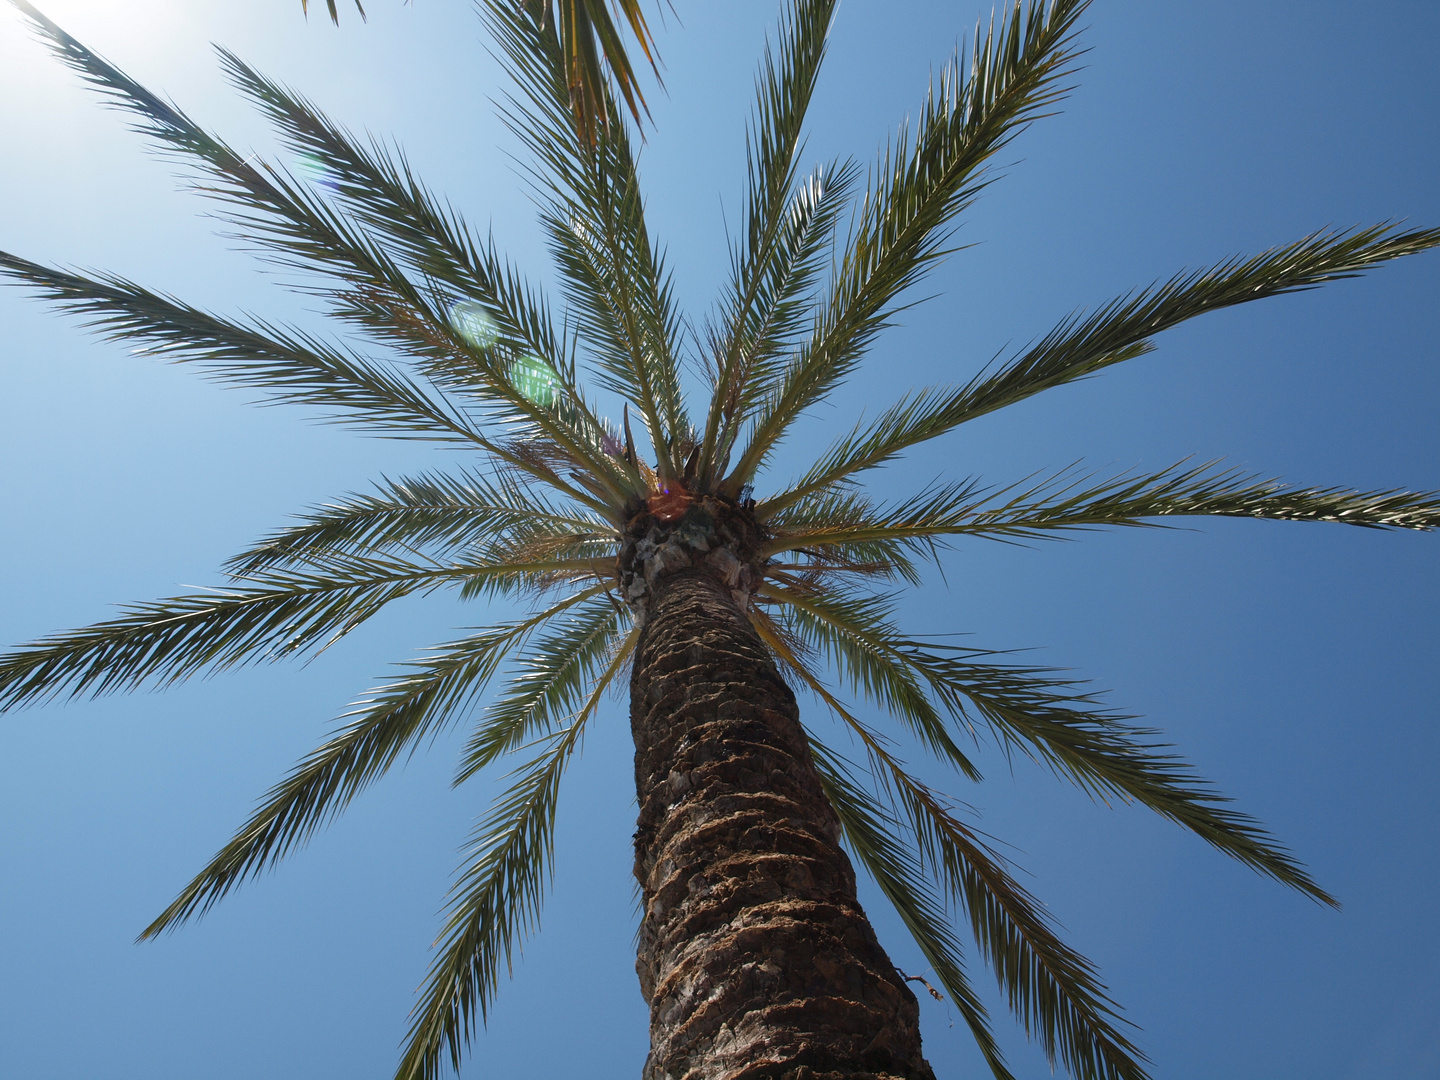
(641, 551)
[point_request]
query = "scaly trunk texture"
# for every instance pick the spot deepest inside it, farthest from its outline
(754, 954)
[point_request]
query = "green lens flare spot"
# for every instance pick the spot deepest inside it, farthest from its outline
(469, 319)
(314, 169)
(536, 379)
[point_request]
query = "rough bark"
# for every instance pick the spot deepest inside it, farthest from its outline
(754, 954)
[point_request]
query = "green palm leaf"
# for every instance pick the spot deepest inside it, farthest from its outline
(280, 613)
(869, 832)
(334, 12)
(593, 213)
(441, 514)
(1120, 330)
(785, 233)
(1051, 720)
(551, 680)
(269, 207)
(1052, 989)
(291, 366)
(854, 633)
(497, 898)
(916, 191)
(491, 308)
(583, 26)
(1070, 501)
(391, 720)
(283, 215)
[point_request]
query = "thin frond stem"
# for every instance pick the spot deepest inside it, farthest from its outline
(393, 719)
(784, 87)
(436, 512)
(548, 684)
(289, 366)
(1118, 331)
(1071, 500)
(916, 191)
(859, 639)
(496, 901)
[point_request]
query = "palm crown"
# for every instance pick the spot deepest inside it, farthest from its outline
(579, 515)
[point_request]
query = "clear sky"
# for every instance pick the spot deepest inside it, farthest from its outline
(1293, 663)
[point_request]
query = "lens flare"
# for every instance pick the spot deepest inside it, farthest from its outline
(316, 171)
(470, 320)
(536, 379)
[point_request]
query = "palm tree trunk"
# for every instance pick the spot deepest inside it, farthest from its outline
(754, 954)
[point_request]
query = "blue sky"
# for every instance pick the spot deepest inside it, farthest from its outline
(1292, 663)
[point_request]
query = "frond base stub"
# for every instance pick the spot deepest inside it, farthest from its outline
(676, 531)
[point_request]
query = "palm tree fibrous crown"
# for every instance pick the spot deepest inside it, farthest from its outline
(656, 544)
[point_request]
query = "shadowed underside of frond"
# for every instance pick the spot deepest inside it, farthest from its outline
(633, 544)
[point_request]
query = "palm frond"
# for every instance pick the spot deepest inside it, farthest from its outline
(1053, 721)
(277, 614)
(916, 191)
(283, 215)
(380, 188)
(497, 897)
(1082, 345)
(870, 834)
(581, 26)
(1069, 501)
(760, 333)
(391, 720)
(836, 519)
(1120, 330)
(1053, 991)
(1066, 502)
(438, 513)
(551, 678)
(269, 206)
(838, 508)
(290, 366)
(510, 317)
(784, 233)
(854, 632)
(330, 7)
(592, 209)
